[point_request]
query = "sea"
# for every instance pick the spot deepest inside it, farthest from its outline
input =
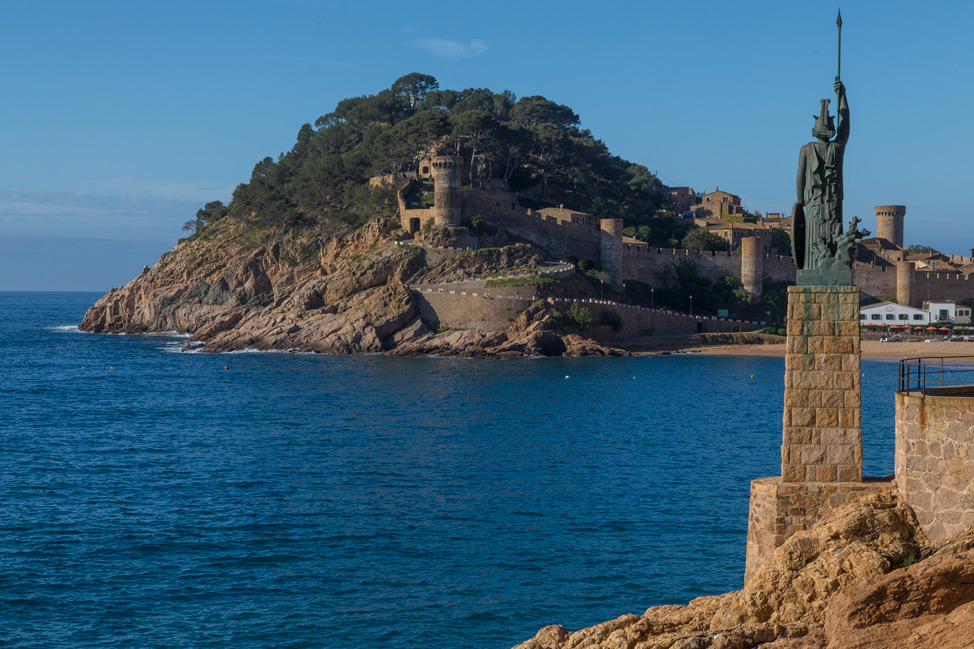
(155, 497)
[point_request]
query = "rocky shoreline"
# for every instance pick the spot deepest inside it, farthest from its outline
(349, 295)
(865, 577)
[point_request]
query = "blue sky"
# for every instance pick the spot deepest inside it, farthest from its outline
(119, 120)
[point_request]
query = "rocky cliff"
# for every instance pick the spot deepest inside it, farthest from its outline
(865, 577)
(232, 289)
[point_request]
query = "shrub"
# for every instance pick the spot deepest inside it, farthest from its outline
(579, 315)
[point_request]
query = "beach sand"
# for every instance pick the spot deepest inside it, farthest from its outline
(870, 349)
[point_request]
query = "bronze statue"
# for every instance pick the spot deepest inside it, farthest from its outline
(818, 211)
(822, 252)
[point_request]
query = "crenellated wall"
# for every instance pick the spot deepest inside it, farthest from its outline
(874, 281)
(650, 264)
(489, 312)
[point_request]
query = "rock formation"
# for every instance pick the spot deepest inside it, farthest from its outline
(865, 577)
(233, 289)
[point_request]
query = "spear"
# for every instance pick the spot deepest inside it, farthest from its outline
(838, 23)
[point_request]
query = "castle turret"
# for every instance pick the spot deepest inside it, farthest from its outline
(904, 283)
(752, 265)
(611, 242)
(889, 223)
(446, 170)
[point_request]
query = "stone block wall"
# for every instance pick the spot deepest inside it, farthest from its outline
(821, 434)
(779, 509)
(878, 281)
(649, 264)
(563, 238)
(935, 458)
(496, 308)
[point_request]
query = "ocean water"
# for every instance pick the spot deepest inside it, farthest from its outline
(152, 498)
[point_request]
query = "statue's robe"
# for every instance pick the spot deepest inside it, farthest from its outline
(820, 174)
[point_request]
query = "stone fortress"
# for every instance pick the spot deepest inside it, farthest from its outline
(882, 269)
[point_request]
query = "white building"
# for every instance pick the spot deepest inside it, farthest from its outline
(890, 313)
(948, 311)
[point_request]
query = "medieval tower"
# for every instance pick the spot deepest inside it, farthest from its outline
(752, 265)
(904, 283)
(447, 170)
(610, 241)
(889, 223)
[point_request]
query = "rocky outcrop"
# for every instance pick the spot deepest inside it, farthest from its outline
(338, 295)
(844, 584)
(530, 335)
(345, 294)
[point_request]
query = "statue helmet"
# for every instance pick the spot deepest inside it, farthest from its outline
(824, 126)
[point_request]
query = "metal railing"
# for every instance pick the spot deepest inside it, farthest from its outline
(937, 374)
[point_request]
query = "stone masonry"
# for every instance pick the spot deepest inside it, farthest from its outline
(822, 435)
(779, 509)
(821, 451)
(935, 457)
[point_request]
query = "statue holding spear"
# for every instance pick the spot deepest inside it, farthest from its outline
(820, 246)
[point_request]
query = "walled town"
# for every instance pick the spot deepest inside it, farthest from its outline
(899, 286)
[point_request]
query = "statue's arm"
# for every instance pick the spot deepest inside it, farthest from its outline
(842, 134)
(800, 182)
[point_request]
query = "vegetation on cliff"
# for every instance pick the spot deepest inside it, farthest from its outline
(526, 142)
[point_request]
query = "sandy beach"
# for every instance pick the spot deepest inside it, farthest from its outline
(870, 349)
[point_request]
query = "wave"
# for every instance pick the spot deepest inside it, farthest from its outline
(70, 329)
(168, 334)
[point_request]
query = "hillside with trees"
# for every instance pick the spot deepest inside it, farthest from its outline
(531, 142)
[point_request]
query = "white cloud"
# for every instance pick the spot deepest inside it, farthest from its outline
(448, 49)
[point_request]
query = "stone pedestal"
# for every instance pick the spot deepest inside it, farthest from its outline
(779, 509)
(821, 450)
(822, 430)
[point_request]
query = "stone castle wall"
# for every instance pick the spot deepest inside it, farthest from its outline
(935, 458)
(942, 286)
(649, 264)
(495, 309)
(874, 281)
(562, 237)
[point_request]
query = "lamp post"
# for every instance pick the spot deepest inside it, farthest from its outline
(652, 298)
(601, 289)
(623, 292)
(691, 306)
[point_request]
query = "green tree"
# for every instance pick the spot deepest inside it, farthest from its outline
(414, 87)
(700, 239)
(473, 128)
(536, 110)
(916, 249)
(781, 240)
